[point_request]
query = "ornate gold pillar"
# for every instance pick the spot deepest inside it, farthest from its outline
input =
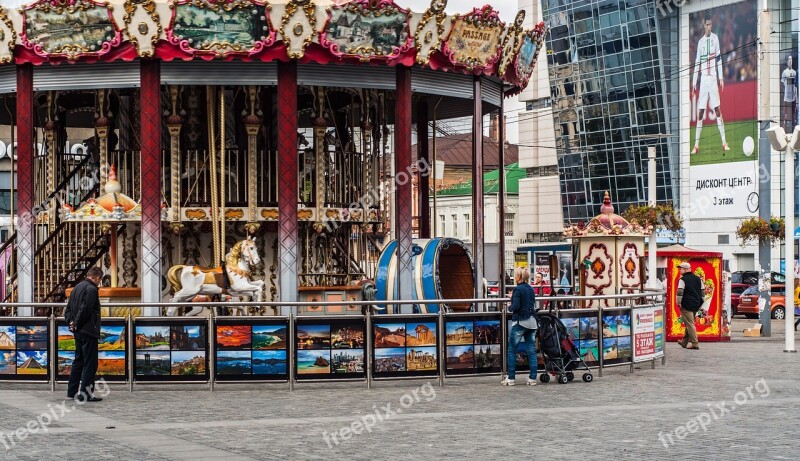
(253, 125)
(320, 125)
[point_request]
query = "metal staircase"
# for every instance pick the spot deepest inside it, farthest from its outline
(67, 249)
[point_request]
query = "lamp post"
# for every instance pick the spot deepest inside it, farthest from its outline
(789, 143)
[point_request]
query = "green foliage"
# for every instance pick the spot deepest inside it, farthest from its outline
(660, 216)
(759, 230)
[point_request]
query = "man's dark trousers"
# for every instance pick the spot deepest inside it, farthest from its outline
(85, 365)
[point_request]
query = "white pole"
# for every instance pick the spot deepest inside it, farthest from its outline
(651, 198)
(789, 240)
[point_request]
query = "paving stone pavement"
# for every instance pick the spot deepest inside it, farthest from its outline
(618, 416)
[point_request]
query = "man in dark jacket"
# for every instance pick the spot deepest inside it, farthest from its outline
(83, 317)
(690, 298)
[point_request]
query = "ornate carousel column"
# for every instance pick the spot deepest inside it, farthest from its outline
(477, 184)
(287, 181)
(424, 179)
(25, 212)
(150, 114)
(403, 195)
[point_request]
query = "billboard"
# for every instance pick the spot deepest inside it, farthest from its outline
(723, 127)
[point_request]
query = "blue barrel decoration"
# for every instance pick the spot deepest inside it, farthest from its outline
(442, 268)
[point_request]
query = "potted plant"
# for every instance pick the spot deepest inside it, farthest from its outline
(661, 216)
(759, 230)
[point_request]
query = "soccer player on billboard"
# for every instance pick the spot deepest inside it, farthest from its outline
(789, 82)
(708, 69)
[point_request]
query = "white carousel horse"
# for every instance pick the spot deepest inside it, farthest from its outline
(190, 281)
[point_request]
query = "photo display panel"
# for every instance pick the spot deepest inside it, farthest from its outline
(24, 350)
(473, 345)
(405, 346)
(330, 348)
(112, 355)
(171, 350)
(251, 350)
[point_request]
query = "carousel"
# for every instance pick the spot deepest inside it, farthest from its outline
(245, 148)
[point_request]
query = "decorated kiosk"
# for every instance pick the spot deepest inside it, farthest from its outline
(711, 320)
(610, 251)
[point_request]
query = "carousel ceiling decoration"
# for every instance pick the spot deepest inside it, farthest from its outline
(221, 27)
(69, 29)
(474, 42)
(8, 37)
(368, 30)
(142, 26)
(298, 27)
(511, 43)
(358, 31)
(431, 30)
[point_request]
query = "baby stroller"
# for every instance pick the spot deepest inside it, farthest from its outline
(561, 356)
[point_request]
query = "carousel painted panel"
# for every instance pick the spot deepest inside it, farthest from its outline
(629, 251)
(69, 29)
(221, 28)
(599, 275)
(474, 41)
(361, 30)
(532, 43)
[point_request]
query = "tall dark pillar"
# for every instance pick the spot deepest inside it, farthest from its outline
(477, 183)
(150, 143)
(424, 179)
(501, 193)
(287, 180)
(402, 182)
(25, 212)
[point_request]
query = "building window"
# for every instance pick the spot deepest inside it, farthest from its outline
(467, 225)
(5, 202)
(442, 229)
(538, 104)
(509, 223)
(455, 225)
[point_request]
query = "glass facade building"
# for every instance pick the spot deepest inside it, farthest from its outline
(609, 100)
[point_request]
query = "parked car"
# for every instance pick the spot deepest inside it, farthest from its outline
(736, 291)
(751, 277)
(748, 302)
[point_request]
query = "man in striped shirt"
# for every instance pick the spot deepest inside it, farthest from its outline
(708, 68)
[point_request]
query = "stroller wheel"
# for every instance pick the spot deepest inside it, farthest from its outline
(562, 379)
(544, 378)
(587, 377)
(570, 376)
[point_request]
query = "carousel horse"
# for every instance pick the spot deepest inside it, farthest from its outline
(190, 281)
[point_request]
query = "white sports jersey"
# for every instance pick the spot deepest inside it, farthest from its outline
(708, 62)
(788, 78)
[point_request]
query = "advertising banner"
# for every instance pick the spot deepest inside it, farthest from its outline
(112, 355)
(723, 190)
(24, 350)
(473, 345)
(251, 350)
(708, 320)
(330, 348)
(171, 350)
(723, 105)
(644, 334)
(541, 265)
(405, 346)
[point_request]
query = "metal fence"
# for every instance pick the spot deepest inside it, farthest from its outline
(213, 348)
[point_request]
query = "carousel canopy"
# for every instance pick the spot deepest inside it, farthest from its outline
(359, 32)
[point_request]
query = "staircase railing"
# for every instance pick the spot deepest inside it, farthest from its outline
(9, 269)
